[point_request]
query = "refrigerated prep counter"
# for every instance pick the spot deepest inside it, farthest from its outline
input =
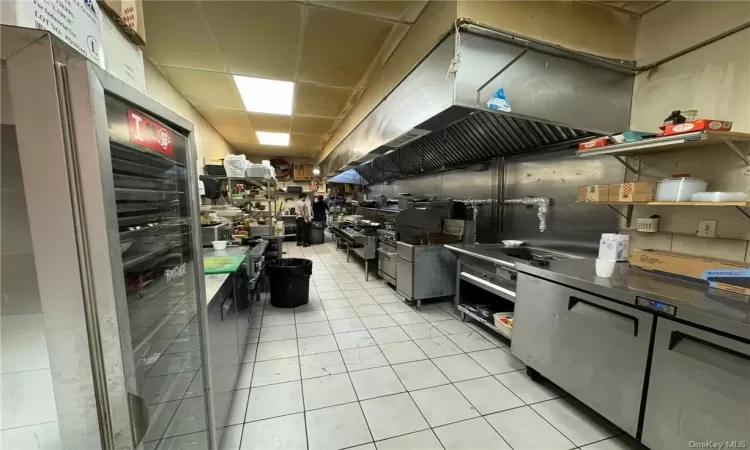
(665, 360)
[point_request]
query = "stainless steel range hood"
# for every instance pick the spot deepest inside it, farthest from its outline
(434, 120)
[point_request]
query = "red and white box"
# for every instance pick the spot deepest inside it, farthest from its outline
(697, 125)
(594, 143)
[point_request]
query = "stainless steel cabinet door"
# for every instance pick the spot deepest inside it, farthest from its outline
(405, 277)
(387, 262)
(593, 348)
(699, 388)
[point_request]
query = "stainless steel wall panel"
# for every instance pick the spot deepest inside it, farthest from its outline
(554, 99)
(554, 175)
(558, 89)
(557, 176)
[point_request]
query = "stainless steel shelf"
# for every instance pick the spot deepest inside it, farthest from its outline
(675, 143)
(484, 322)
(145, 194)
(140, 258)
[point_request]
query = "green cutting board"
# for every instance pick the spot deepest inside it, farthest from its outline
(221, 264)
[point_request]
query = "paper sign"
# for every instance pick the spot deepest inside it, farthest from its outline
(76, 22)
(147, 133)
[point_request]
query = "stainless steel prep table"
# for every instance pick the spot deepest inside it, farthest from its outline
(666, 360)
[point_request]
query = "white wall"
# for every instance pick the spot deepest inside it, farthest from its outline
(715, 80)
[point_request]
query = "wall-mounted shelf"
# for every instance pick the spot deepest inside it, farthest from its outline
(741, 204)
(629, 214)
(674, 143)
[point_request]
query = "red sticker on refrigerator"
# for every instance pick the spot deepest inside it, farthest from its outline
(147, 133)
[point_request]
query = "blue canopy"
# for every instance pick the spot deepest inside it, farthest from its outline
(349, 177)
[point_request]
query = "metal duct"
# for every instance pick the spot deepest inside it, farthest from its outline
(556, 102)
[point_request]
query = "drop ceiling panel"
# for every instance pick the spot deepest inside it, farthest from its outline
(244, 136)
(406, 11)
(636, 7)
(306, 141)
(330, 49)
(179, 36)
(257, 38)
(312, 125)
(224, 118)
(211, 89)
(318, 100)
(338, 47)
(270, 122)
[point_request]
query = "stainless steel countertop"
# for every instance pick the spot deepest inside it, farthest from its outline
(214, 282)
(695, 303)
(489, 252)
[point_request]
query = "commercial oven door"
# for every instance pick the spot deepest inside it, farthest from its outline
(594, 348)
(405, 277)
(387, 262)
(699, 389)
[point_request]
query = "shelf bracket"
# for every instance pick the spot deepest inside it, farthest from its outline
(628, 216)
(739, 153)
(624, 162)
(745, 213)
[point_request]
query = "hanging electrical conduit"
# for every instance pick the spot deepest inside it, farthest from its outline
(541, 202)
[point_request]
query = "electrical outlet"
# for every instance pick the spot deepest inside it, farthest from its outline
(707, 228)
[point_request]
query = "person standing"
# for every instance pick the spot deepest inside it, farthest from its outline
(303, 221)
(320, 208)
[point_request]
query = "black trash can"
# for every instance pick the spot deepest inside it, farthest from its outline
(290, 281)
(316, 232)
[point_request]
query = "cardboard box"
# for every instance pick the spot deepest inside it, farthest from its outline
(594, 143)
(593, 194)
(639, 191)
(732, 276)
(302, 172)
(697, 125)
(128, 14)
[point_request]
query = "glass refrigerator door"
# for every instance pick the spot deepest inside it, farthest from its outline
(111, 190)
(149, 174)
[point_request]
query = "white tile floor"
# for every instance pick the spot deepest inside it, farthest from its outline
(358, 368)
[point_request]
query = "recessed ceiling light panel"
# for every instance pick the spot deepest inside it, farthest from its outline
(266, 138)
(266, 96)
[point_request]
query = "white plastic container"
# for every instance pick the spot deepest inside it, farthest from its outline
(219, 245)
(605, 267)
(614, 246)
(679, 189)
(647, 224)
(719, 197)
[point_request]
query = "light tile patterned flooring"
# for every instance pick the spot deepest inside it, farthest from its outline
(358, 368)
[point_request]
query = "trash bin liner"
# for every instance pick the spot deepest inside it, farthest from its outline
(316, 232)
(290, 281)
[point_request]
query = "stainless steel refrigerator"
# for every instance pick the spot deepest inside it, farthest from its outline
(111, 188)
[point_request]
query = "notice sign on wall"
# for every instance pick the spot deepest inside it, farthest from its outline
(76, 22)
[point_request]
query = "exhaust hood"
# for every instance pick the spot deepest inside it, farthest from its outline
(435, 120)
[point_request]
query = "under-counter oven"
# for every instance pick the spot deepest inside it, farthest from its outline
(595, 348)
(699, 389)
(387, 256)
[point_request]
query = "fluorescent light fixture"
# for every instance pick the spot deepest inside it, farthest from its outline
(266, 138)
(316, 172)
(265, 96)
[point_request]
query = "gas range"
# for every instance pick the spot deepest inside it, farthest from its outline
(387, 237)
